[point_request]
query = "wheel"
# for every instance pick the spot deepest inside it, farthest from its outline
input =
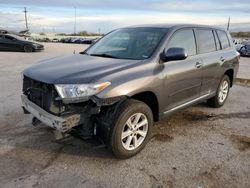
(221, 94)
(131, 130)
(27, 48)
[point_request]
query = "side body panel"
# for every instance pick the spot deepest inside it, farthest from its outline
(174, 83)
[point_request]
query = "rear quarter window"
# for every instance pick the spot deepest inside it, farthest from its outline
(205, 40)
(223, 39)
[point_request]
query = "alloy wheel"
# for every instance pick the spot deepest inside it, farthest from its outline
(223, 91)
(135, 131)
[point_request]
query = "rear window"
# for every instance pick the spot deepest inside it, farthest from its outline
(223, 39)
(184, 39)
(206, 41)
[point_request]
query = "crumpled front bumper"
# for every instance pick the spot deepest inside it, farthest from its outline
(62, 124)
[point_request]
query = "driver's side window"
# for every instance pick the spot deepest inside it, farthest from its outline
(9, 37)
(183, 39)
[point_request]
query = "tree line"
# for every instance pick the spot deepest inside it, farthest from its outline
(240, 34)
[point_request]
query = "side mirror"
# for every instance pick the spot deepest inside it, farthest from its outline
(173, 54)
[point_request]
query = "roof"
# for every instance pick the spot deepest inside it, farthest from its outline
(175, 26)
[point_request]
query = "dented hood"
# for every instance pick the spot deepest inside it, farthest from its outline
(76, 69)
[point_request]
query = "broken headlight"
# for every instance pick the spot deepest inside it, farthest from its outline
(79, 92)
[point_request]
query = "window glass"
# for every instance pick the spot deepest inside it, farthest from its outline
(184, 39)
(9, 37)
(217, 42)
(129, 43)
(206, 41)
(223, 39)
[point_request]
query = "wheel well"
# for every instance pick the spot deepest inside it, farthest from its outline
(151, 100)
(230, 74)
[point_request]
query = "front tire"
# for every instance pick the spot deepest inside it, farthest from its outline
(132, 129)
(28, 48)
(221, 94)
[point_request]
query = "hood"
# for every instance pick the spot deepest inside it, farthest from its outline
(28, 42)
(76, 69)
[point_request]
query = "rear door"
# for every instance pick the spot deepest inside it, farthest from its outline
(182, 78)
(209, 52)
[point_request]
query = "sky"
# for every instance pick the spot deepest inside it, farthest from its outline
(106, 15)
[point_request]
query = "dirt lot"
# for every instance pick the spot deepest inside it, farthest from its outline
(198, 147)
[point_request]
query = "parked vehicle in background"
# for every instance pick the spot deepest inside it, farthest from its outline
(245, 42)
(55, 40)
(238, 47)
(88, 41)
(9, 42)
(117, 88)
(245, 50)
(79, 40)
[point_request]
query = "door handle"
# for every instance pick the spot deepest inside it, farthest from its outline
(222, 59)
(198, 65)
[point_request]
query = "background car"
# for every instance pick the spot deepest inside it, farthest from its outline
(9, 42)
(245, 50)
(55, 40)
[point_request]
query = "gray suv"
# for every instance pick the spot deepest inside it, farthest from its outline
(132, 77)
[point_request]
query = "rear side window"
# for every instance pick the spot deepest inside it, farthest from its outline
(184, 39)
(223, 39)
(205, 40)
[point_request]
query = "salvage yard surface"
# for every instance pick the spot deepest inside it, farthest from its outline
(198, 147)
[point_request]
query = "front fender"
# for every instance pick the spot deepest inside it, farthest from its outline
(130, 88)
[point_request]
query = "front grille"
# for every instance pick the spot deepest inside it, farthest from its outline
(43, 95)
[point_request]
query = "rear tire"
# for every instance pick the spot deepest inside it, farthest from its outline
(221, 94)
(28, 48)
(132, 129)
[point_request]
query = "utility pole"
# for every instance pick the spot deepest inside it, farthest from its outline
(75, 22)
(25, 14)
(228, 23)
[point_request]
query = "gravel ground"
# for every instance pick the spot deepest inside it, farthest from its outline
(197, 147)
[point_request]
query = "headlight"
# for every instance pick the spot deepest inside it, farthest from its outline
(76, 92)
(36, 45)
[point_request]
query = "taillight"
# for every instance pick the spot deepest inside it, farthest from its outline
(238, 56)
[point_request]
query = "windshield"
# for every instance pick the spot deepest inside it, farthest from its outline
(129, 43)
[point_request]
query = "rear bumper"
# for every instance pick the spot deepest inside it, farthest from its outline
(62, 124)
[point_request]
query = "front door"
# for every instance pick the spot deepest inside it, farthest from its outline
(182, 78)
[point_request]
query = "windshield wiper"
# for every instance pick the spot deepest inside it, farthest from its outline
(104, 55)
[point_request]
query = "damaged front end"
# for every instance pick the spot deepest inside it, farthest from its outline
(82, 118)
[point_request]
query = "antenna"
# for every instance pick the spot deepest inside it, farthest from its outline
(25, 14)
(228, 23)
